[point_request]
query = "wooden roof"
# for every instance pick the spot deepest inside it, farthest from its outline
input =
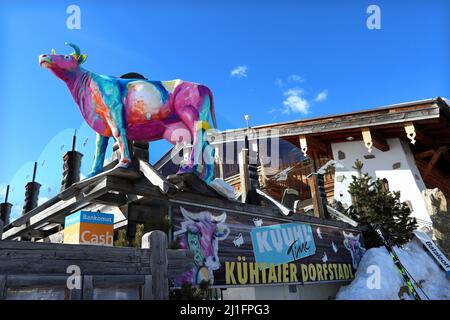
(431, 116)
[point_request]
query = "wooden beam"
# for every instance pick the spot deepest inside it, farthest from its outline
(379, 142)
(154, 177)
(303, 144)
(62, 207)
(112, 199)
(424, 139)
(424, 154)
(434, 159)
(429, 153)
(317, 144)
(372, 138)
(316, 200)
(53, 259)
(244, 174)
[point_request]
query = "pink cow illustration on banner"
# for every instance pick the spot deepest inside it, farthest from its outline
(201, 233)
(139, 109)
(353, 245)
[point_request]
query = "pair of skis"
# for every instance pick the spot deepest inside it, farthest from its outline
(404, 273)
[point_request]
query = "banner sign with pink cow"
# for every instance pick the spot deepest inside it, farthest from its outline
(239, 249)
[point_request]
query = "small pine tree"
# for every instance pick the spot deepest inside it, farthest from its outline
(372, 202)
(137, 241)
(122, 240)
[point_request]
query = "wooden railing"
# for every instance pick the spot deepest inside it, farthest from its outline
(34, 270)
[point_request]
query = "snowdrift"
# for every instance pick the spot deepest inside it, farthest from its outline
(422, 267)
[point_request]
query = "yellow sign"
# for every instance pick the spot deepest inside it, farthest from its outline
(242, 272)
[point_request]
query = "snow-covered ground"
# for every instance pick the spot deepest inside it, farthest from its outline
(423, 268)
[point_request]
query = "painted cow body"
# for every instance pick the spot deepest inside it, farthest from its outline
(201, 233)
(137, 109)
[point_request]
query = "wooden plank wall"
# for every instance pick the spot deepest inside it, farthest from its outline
(33, 264)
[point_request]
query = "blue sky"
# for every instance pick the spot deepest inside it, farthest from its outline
(273, 60)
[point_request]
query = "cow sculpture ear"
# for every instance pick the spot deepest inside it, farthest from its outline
(82, 58)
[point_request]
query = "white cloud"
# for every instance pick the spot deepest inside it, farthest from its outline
(279, 82)
(239, 72)
(295, 102)
(322, 96)
(296, 78)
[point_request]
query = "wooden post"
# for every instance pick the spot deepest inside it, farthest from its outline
(315, 195)
(157, 242)
(88, 288)
(2, 287)
(147, 290)
(140, 152)
(243, 174)
(31, 193)
(434, 159)
(5, 210)
(218, 162)
(74, 294)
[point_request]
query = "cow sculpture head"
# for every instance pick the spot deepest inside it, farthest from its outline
(353, 245)
(201, 233)
(63, 65)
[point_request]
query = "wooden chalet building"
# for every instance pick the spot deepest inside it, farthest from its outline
(407, 144)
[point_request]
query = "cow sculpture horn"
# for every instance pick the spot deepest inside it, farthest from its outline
(77, 52)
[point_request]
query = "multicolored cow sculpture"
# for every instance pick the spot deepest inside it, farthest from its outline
(137, 109)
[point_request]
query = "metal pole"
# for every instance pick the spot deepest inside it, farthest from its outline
(74, 140)
(7, 193)
(34, 171)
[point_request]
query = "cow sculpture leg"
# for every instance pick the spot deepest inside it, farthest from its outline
(100, 150)
(116, 123)
(194, 112)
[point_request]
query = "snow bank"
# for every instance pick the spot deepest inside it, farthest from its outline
(423, 268)
(223, 188)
